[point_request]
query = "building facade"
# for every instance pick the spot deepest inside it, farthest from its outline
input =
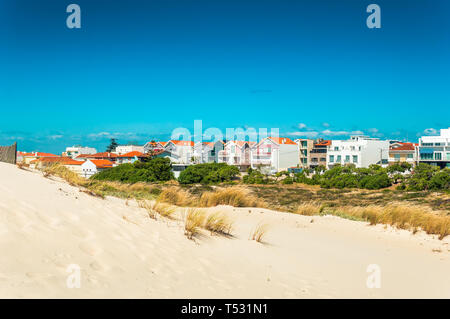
(75, 151)
(181, 152)
(362, 151)
(403, 153)
(124, 149)
(274, 154)
(236, 153)
(207, 152)
(318, 154)
(435, 150)
(304, 148)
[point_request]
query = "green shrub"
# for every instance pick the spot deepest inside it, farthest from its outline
(155, 170)
(209, 173)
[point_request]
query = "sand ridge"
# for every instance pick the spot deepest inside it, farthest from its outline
(47, 225)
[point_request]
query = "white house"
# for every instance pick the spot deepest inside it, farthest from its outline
(123, 149)
(75, 151)
(275, 154)
(154, 146)
(207, 152)
(361, 151)
(236, 153)
(91, 167)
(181, 152)
(435, 150)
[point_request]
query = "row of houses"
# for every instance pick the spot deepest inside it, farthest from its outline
(272, 154)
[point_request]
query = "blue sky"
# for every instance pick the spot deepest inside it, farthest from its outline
(138, 69)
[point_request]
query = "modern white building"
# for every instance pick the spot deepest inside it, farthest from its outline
(75, 151)
(435, 150)
(362, 151)
(124, 149)
(275, 154)
(154, 146)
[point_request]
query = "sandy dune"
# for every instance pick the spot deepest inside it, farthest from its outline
(47, 225)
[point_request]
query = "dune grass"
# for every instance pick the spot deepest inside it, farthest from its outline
(259, 232)
(176, 196)
(234, 196)
(194, 220)
(219, 223)
(309, 209)
(402, 216)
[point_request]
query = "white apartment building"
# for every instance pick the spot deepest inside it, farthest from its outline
(305, 146)
(181, 152)
(75, 151)
(362, 151)
(91, 167)
(124, 149)
(435, 150)
(275, 154)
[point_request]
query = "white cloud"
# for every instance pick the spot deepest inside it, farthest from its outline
(430, 131)
(340, 133)
(309, 134)
(55, 137)
(325, 124)
(301, 125)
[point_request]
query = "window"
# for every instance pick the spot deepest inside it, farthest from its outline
(304, 143)
(438, 156)
(397, 156)
(323, 159)
(347, 158)
(338, 160)
(448, 156)
(233, 149)
(355, 158)
(304, 160)
(426, 156)
(336, 148)
(427, 144)
(331, 158)
(410, 156)
(352, 148)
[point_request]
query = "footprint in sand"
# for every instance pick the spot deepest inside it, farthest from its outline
(90, 248)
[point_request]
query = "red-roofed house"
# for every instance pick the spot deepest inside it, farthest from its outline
(236, 153)
(275, 154)
(403, 152)
(93, 166)
(207, 152)
(130, 157)
(98, 156)
(181, 152)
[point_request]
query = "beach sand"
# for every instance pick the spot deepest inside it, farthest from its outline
(47, 225)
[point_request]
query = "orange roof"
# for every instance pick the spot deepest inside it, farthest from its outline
(100, 155)
(102, 163)
(132, 154)
(404, 147)
(163, 143)
(324, 143)
(39, 154)
(283, 140)
(182, 143)
(242, 143)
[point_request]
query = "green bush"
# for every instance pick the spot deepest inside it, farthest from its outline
(209, 173)
(155, 170)
(255, 177)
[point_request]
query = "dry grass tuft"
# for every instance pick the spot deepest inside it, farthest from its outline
(219, 223)
(148, 207)
(309, 209)
(63, 172)
(236, 196)
(22, 165)
(165, 210)
(259, 232)
(195, 219)
(176, 196)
